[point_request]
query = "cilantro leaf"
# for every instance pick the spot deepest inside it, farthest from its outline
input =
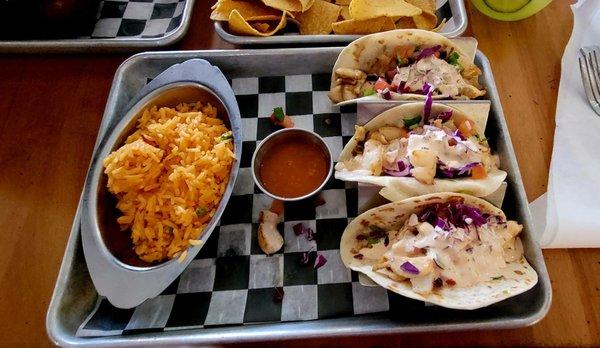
(279, 114)
(453, 58)
(368, 91)
(408, 122)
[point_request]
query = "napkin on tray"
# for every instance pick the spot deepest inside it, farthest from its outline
(568, 215)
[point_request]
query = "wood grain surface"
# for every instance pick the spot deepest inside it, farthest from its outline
(50, 110)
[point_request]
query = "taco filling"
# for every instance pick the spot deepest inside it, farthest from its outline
(425, 148)
(407, 71)
(442, 245)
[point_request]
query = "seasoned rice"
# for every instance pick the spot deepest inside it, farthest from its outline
(169, 178)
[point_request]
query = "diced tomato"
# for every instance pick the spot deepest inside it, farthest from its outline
(286, 123)
(405, 51)
(381, 84)
(478, 172)
(466, 128)
(457, 119)
(277, 207)
(274, 120)
(391, 73)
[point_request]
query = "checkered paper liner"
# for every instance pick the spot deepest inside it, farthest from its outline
(137, 18)
(231, 281)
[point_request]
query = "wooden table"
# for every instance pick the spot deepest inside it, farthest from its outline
(51, 107)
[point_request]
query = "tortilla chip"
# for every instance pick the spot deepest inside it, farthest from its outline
(223, 8)
(345, 12)
(306, 4)
(367, 9)
(289, 5)
(426, 20)
(343, 2)
(388, 24)
(262, 27)
(405, 23)
(318, 19)
(425, 5)
(238, 25)
(366, 26)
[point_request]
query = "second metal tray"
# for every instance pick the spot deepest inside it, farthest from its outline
(161, 14)
(456, 26)
(74, 295)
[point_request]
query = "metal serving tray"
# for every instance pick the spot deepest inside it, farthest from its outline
(74, 295)
(457, 9)
(95, 45)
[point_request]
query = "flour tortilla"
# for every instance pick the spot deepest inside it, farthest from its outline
(398, 188)
(518, 276)
(362, 54)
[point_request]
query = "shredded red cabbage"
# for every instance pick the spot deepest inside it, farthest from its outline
(403, 169)
(301, 229)
(475, 214)
(444, 116)
(402, 88)
(458, 134)
(452, 213)
(386, 94)
(298, 229)
(441, 223)
(409, 268)
(449, 172)
(428, 89)
(320, 261)
(428, 51)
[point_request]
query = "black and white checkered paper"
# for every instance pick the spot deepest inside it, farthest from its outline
(137, 18)
(231, 282)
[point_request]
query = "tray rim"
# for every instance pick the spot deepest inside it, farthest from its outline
(240, 40)
(90, 45)
(286, 330)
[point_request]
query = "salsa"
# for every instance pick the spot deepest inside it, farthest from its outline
(293, 168)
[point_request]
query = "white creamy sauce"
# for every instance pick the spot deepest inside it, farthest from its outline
(395, 151)
(436, 140)
(442, 75)
(369, 161)
(461, 257)
(377, 156)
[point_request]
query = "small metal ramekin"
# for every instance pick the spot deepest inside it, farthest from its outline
(279, 136)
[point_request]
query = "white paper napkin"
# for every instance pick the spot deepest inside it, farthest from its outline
(568, 215)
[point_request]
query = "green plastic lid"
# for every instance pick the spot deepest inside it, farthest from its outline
(510, 10)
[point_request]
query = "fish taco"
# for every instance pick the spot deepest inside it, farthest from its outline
(397, 64)
(449, 249)
(421, 148)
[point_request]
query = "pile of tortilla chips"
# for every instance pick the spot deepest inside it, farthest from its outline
(322, 17)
